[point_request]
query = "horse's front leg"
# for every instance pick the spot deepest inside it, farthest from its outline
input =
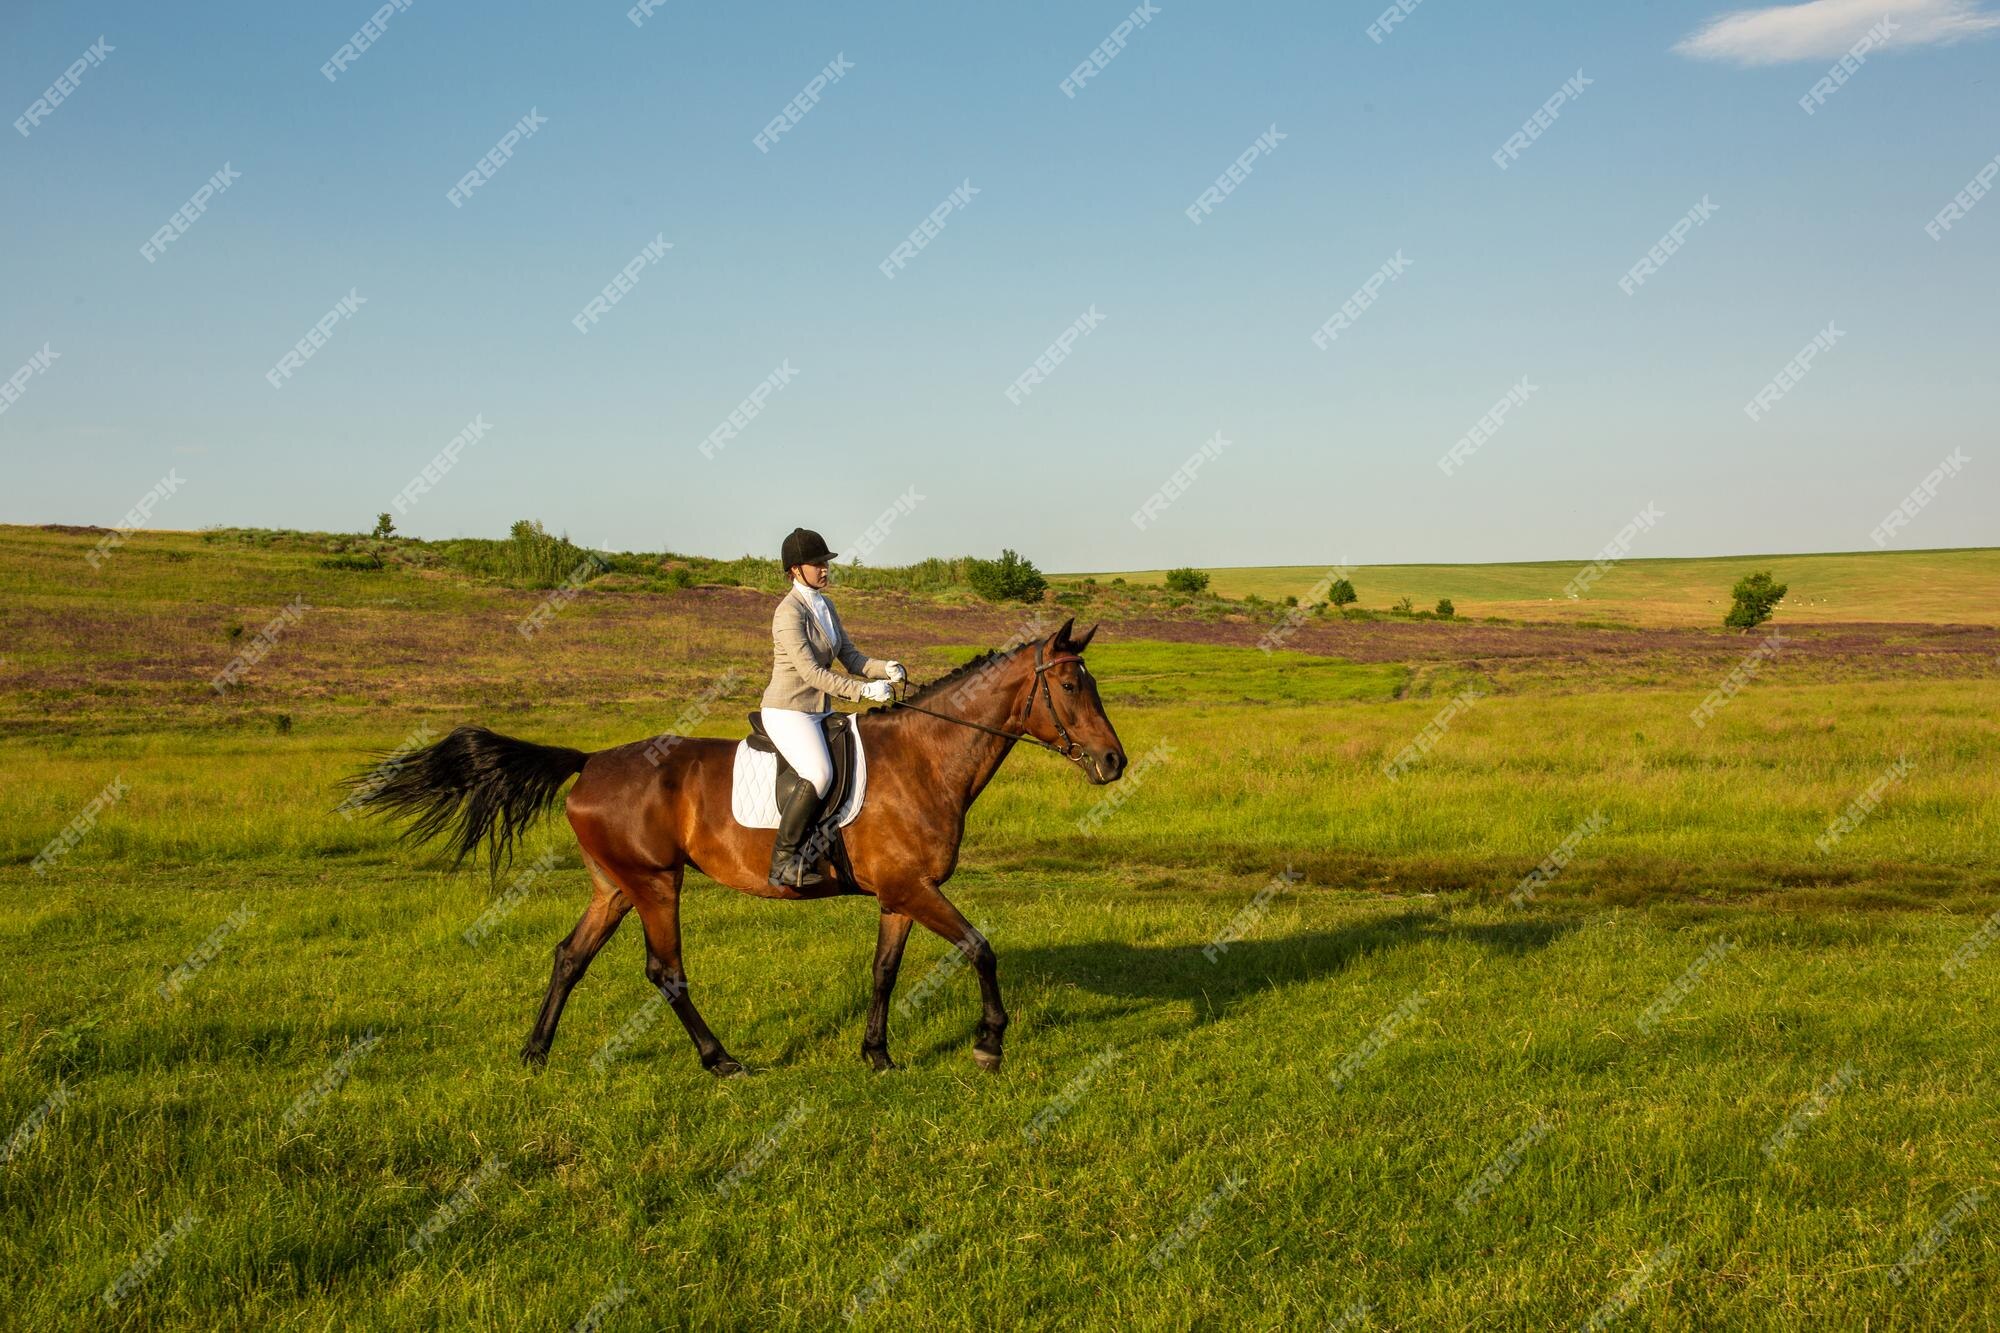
(893, 933)
(934, 912)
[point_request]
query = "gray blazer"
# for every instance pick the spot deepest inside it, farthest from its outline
(801, 653)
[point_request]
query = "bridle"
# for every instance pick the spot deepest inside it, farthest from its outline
(1070, 749)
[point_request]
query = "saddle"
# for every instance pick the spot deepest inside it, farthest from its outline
(839, 731)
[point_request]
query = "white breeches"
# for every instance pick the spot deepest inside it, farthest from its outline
(799, 738)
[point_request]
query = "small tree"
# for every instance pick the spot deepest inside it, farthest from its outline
(1342, 593)
(1752, 600)
(1446, 609)
(385, 526)
(1008, 579)
(1404, 605)
(1191, 581)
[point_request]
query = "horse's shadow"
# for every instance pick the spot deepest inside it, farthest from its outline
(1213, 978)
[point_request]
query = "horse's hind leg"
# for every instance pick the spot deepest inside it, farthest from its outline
(659, 900)
(608, 905)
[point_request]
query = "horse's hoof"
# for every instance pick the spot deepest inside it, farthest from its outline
(879, 1061)
(534, 1059)
(987, 1060)
(727, 1068)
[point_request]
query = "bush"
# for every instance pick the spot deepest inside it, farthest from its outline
(1753, 598)
(1008, 579)
(1404, 606)
(1341, 593)
(385, 526)
(1445, 609)
(1190, 581)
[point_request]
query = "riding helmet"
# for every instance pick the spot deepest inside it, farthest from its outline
(805, 547)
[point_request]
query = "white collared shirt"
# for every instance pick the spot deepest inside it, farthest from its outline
(816, 602)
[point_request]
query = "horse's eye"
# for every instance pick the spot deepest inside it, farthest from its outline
(1068, 688)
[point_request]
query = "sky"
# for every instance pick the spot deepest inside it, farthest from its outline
(1187, 413)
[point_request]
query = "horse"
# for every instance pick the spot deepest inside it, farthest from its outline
(643, 813)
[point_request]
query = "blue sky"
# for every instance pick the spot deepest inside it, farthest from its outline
(899, 385)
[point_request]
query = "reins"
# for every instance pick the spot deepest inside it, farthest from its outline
(1069, 749)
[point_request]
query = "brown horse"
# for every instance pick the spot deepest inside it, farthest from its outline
(644, 812)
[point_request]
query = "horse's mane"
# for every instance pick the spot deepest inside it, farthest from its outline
(932, 688)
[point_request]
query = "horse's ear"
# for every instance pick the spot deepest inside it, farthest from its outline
(1060, 639)
(1078, 645)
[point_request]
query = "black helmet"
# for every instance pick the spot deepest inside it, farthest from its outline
(805, 547)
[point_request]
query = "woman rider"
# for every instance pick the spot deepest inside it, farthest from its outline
(806, 635)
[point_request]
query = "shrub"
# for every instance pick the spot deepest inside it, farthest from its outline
(1008, 579)
(1445, 609)
(1341, 593)
(385, 526)
(1753, 598)
(1191, 581)
(1404, 606)
(365, 561)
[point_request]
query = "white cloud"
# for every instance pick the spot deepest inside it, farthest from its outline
(1825, 29)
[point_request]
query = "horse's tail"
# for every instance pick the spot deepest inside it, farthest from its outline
(473, 786)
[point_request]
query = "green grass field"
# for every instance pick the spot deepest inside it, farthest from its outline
(1934, 587)
(1709, 1074)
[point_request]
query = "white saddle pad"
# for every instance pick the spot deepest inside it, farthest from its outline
(753, 796)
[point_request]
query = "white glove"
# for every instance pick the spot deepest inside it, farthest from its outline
(878, 691)
(896, 672)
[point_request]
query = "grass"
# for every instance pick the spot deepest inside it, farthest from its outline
(1206, 1066)
(1934, 587)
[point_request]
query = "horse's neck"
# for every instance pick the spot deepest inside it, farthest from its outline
(966, 758)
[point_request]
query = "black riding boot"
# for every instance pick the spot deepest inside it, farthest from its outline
(796, 819)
